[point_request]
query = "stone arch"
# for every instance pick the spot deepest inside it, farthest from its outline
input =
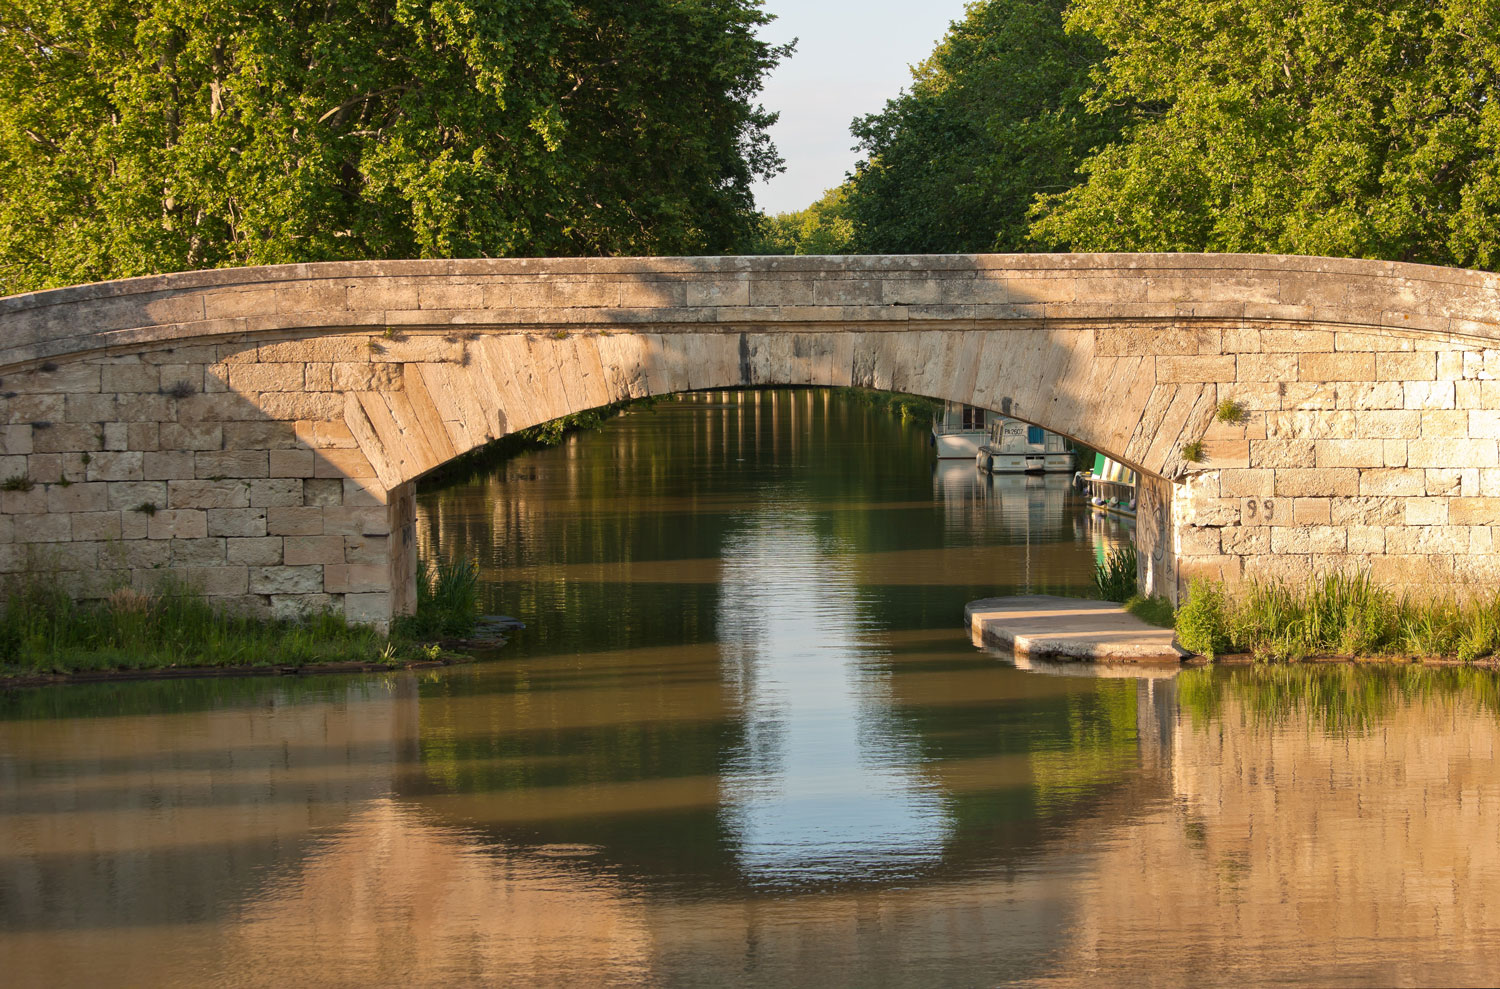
(276, 417)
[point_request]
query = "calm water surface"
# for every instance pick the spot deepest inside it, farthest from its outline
(743, 741)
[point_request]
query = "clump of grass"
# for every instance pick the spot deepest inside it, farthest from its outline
(1336, 614)
(1154, 610)
(1115, 578)
(559, 334)
(1203, 621)
(179, 389)
(42, 630)
(147, 508)
(1230, 411)
(1194, 452)
(447, 600)
(17, 482)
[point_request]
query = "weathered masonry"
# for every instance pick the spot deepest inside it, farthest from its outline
(257, 430)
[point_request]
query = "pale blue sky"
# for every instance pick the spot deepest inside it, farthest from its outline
(852, 56)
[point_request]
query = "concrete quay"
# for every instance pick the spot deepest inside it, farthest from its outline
(1069, 629)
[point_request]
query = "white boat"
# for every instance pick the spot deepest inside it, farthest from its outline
(960, 430)
(1015, 447)
(1111, 486)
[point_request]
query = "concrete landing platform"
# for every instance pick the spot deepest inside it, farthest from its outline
(1069, 628)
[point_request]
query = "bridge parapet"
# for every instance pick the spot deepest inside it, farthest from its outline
(257, 430)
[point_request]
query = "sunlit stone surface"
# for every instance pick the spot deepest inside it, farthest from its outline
(275, 418)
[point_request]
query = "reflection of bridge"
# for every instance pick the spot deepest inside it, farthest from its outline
(276, 839)
(260, 428)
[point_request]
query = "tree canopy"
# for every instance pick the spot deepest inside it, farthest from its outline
(993, 117)
(822, 228)
(142, 136)
(1353, 128)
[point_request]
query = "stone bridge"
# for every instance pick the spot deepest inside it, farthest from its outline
(257, 431)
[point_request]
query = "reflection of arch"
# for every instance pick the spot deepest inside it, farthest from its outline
(317, 393)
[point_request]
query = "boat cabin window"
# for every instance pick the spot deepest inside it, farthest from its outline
(1036, 434)
(972, 418)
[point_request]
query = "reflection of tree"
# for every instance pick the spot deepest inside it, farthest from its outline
(1337, 698)
(161, 697)
(1101, 749)
(607, 752)
(1014, 750)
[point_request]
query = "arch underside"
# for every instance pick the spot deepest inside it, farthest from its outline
(452, 395)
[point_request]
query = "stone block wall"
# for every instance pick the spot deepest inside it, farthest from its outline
(257, 432)
(1382, 454)
(139, 468)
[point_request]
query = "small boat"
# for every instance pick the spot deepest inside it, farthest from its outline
(1014, 447)
(960, 430)
(1111, 486)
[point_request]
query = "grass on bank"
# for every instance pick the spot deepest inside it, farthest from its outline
(1337, 614)
(43, 630)
(1115, 580)
(1334, 615)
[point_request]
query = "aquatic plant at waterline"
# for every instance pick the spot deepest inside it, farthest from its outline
(1335, 614)
(1116, 576)
(447, 600)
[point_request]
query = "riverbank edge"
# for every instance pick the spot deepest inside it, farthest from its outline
(18, 681)
(1189, 658)
(1333, 659)
(456, 652)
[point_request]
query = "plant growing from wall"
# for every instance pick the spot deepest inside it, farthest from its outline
(1230, 411)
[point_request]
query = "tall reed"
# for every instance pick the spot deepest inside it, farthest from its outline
(447, 600)
(1115, 578)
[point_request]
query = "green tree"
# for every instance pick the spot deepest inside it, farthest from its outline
(822, 228)
(141, 136)
(994, 116)
(1354, 128)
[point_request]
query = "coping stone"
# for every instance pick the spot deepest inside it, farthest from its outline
(1070, 628)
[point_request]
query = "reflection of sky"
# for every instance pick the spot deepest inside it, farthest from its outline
(823, 787)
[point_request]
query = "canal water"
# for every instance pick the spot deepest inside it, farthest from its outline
(744, 741)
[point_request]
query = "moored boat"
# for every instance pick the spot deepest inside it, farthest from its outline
(1111, 486)
(959, 431)
(1015, 447)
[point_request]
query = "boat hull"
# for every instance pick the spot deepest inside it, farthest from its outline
(959, 445)
(991, 462)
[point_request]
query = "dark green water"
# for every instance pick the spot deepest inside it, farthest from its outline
(743, 741)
